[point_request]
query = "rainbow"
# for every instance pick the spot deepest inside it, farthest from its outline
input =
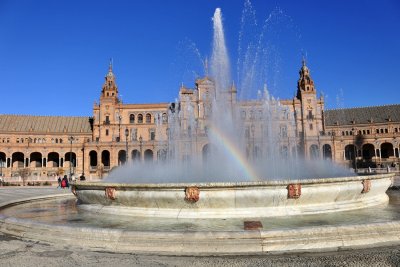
(232, 151)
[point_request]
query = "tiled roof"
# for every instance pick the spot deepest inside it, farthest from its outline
(364, 115)
(42, 124)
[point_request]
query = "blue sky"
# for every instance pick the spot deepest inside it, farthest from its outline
(54, 54)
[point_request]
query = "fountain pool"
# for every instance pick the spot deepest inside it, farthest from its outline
(61, 221)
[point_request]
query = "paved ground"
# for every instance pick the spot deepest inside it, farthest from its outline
(396, 182)
(17, 252)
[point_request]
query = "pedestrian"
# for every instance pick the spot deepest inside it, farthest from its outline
(59, 182)
(64, 182)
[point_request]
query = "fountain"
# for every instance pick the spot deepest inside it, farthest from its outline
(245, 195)
(230, 182)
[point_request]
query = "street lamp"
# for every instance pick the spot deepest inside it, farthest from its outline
(119, 128)
(1, 167)
(70, 139)
(82, 178)
(126, 142)
(140, 145)
(355, 151)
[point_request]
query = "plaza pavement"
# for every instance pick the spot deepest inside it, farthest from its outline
(20, 252)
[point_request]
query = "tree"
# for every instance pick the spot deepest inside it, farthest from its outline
(24, 173)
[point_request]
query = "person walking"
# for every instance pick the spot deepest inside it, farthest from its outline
(59, 182)
(64, 182)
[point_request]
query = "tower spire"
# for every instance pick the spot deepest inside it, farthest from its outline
(110, 67)
(110, 88)
(305, 84)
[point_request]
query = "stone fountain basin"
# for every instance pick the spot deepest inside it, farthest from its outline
(235, 200)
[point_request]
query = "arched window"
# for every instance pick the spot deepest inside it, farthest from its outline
(93, 159)
(162, 155)
(105, 159)
(148, 118)
(283, 131)
(164, 118)
(327, 151)
(251, 114)
(132, 118)
(140, 118)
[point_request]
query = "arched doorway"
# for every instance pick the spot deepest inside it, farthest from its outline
(148, 155)
(327, 151)
(206, 152)
(121, 157)
(2, 157)
(70, 157)
(53, 160)
(387, 150)
(36, 160)
(349, 152)
(135, 155)
(314, 152)
(3, 163)
(18, 160)
(368, 151)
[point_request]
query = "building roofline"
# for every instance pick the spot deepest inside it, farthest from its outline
(377, 106)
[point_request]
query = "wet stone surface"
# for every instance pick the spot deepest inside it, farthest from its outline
(20, 252)
(16, 252)
(66, 211)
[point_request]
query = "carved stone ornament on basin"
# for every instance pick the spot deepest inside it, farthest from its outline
(111, 193)
(252, 225)
(192, 194)
(294, 191)
(366, 186)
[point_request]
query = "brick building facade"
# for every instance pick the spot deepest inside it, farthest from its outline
(51, 145)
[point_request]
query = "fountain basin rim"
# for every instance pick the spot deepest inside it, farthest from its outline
(284, 182)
